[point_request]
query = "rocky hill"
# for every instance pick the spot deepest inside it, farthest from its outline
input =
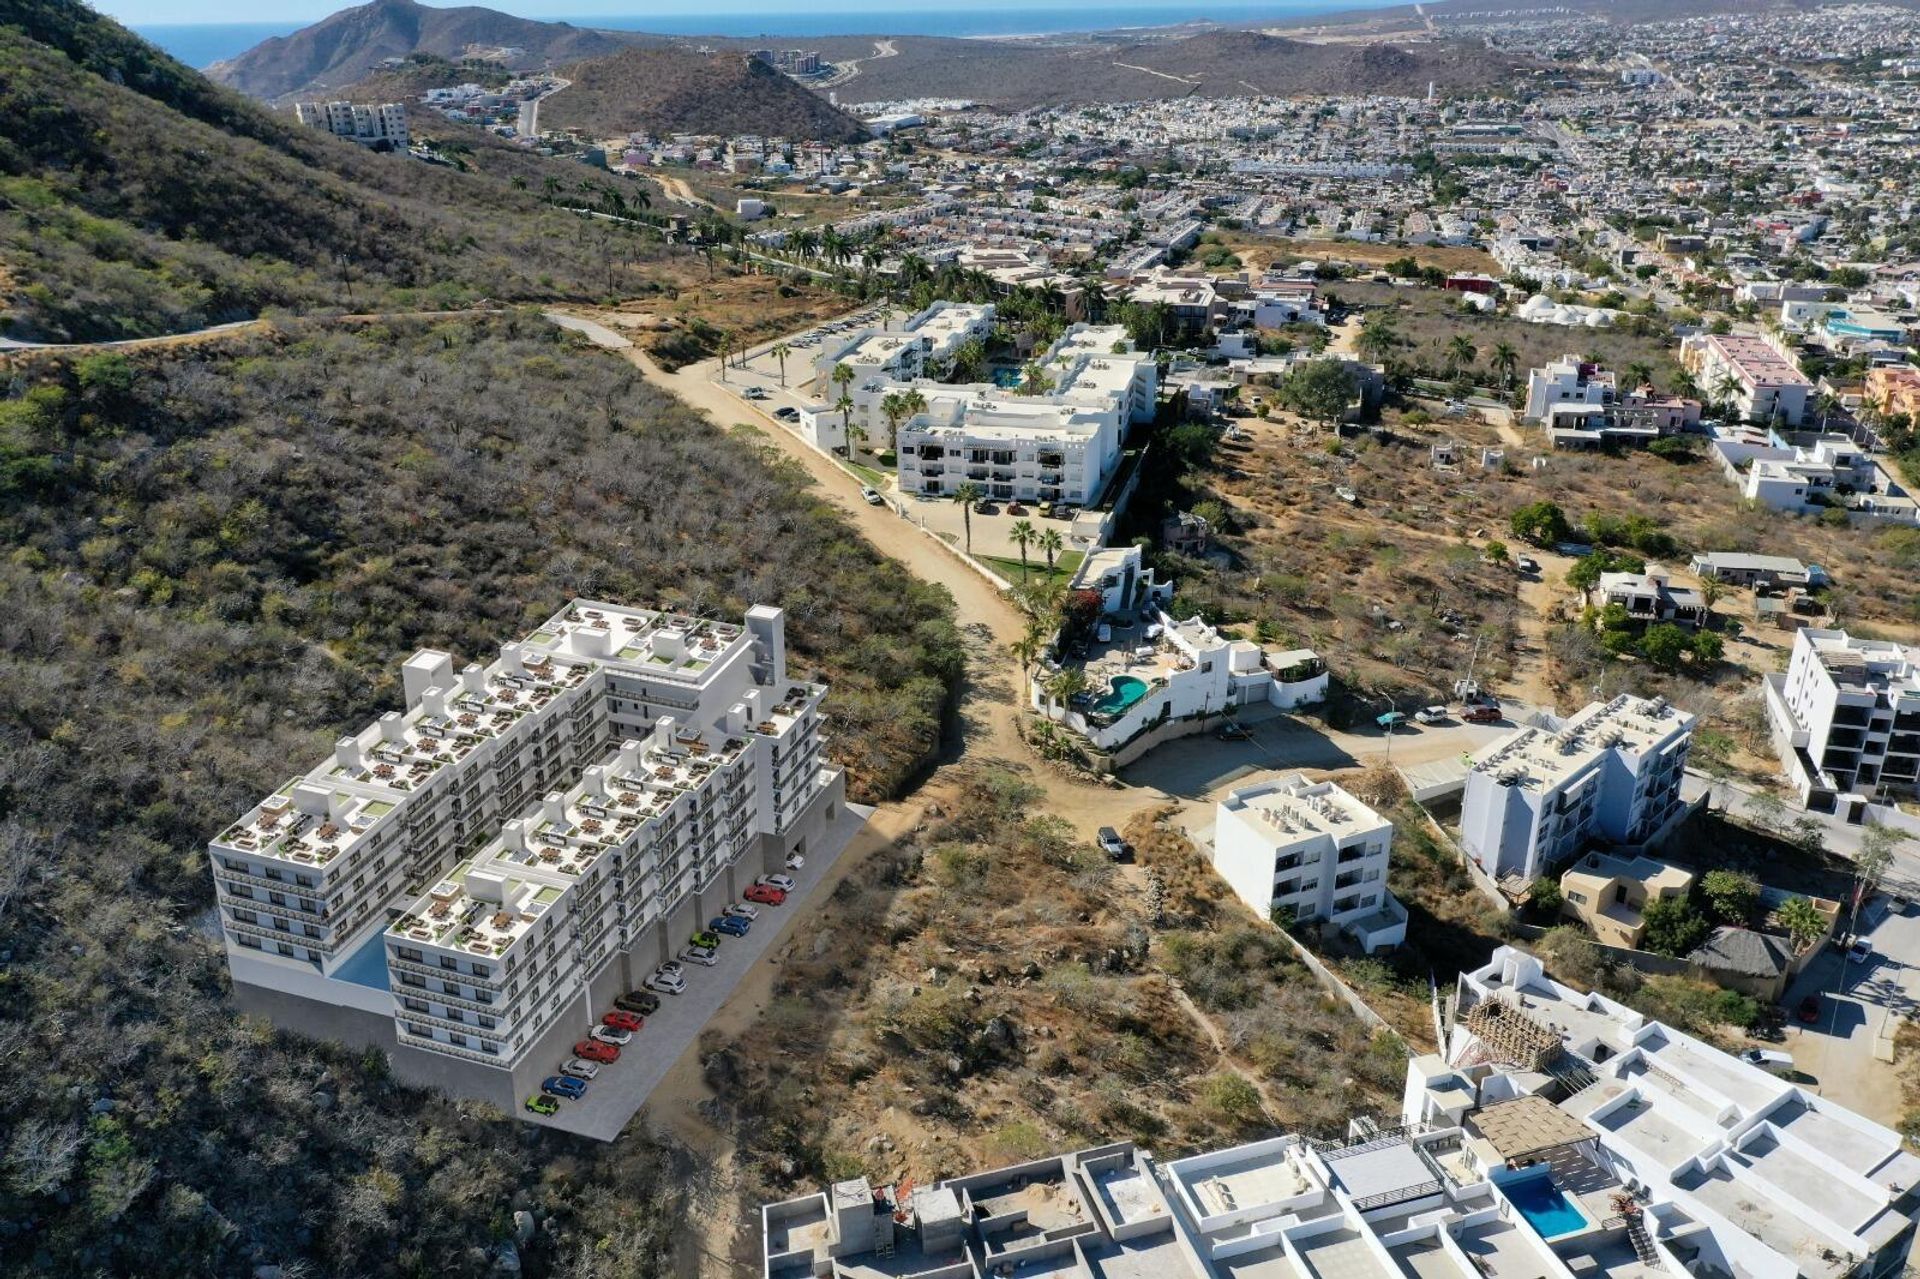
(348, 46)
(678, 90)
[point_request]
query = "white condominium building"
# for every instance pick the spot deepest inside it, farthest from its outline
(464, 880)
(1061, 444)
(1569, 380)
(357, 122)
(925, 346)
(1611, 771)
(1313, 849)
(1765, 384)
(1558, 1135)
(1845, 719)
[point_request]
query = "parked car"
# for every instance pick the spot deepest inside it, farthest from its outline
(755, 393)
(1391, 720)
(1861, 952)
(782, 882)
(594, 1050)
(1346, 495)
(1111, 844)
(579, 1068)
(644, 1002)
(741, 909)
(667, 983)
(1431, 715)
(1103, 633)
(1014, 508)
(729, 925)
(1527, 564)
(796, 860)
(1808, 1010)
(1481, 714)
(699, 955)
(1769, 1059)
(984, 507)
(704, 939)
(620, 1019)
(765, 894)
(1231, 732)
(871, 496)
(787, 413)
(611, 1035)
(564, 1086)
(540, 1104)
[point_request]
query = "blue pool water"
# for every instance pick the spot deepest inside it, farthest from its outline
(1544, 1205)
(366, 966)
(1124, 692)
(1006, 379)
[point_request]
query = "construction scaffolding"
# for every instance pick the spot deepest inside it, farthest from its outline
(1510, 1036)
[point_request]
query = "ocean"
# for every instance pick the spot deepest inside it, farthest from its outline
(200, 44)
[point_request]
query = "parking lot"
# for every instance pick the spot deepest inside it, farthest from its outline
(622, 1087)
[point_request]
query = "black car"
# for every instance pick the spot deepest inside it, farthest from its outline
(644, 1002)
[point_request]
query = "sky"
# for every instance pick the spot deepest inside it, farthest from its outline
(149, 12)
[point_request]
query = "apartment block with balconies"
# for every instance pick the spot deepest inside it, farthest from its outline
(1845, 720)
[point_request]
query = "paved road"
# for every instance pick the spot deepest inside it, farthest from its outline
(1836, 1054)
(529, 125)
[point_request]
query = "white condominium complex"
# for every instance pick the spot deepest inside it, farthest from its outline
(1059, 444)
(1846, 720)
(357, 122)
(1313, 849)
(925, 346)
(1611, 771)
(1752, 373)
(463, 881)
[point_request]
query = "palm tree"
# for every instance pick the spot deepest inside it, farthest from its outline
(726, 345)
(1034, 379)
(1827, 404)
(844, 407)
(914, 405)
(780, 352)
(893, 407)
(842, 378)
(550, 188)
(1506, 360)
(1460, 353)
(1377, 338)
(1726, 386)
(1066, 685)
(1639, 374)
(1051, 545)
(1023, 535)
(970, 360)
(967, 494)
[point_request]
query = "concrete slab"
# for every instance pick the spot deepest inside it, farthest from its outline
(623, 1087)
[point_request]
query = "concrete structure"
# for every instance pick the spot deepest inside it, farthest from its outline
(1760, 571)
(383, 126)
(1568, 381)
(1650, 597)
(1895, 389)
(1314, 851)
(1845, 719)
(1581, 406)
(1634, 1150)
(468, 881)
(1831, 472)
(924, 345)
(1610, 894)
(1761, 381)
(1557, 1136)
(1611, 772)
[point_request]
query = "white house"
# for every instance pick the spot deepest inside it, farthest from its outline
(1568, 380)
(1651, 597)
(1312, 850)
(1845, 719)
(1612, 772)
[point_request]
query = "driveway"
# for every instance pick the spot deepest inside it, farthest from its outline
(1858, 1003)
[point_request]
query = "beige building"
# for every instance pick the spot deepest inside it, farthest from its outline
(1608, 894)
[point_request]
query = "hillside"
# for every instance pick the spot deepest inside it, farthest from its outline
(1215, 63)
(138, 198)
(677, 91)
(347, 46)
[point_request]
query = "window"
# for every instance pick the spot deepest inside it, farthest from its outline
(408, 953)
(278, 899)
(246, 916)
(251, 943)
(454, 1014)
(414, 1005)
(281, 924)
(488, 1023)
(482, 970)
(305, 881)
(449, 962)
(285, 949)
(311, 930)
(413, 979)
(235, 864)
(452, 988)
(490, 1048)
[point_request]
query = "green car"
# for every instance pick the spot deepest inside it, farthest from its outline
(541, 1105)
(705, 937)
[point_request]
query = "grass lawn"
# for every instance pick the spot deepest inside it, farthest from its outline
(1063, 567)
(868, 476)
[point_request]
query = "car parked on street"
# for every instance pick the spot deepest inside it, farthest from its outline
(704, 940)
(1481, 714)
(1431, 715)
(765, 894)
(611, 1035)
(643, 1002)
(564, 1086)
(579, 1068)
(594, 1050)
(1861, 952)
(1111, 844)
(787, 414)
(699, 955)
(620, 1019)
(667, 983)
(541, 1104)
(782, 882)
(1390, 721)
(871, 496)
(741, 909)
(730, 925)
(1808, 1011)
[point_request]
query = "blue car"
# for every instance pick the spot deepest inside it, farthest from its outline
(731, 925)
(564, 1086)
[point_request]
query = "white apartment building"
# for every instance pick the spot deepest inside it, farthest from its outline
(1311, 849)
(1610, 772)
(1845, 719)
(1766, 385)
(462, 882)
(1062, 445)
(924, 346)
(1558, 1135)
(1568, 381)
(385, 124)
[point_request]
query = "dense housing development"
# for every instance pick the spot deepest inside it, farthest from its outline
(1554, 1134)
(466, 880)
(1612, 771)
(1845, 719)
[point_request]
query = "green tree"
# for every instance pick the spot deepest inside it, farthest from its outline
(1541, 523)
(1051, 544)
(1707, 648)
(1545, 897)
(1674, 927)
(1767, 811)
(1506, 360)
(1731, 896)
(1496, 551)
(781, 351)
(967, 495)
(1802, 920)
(1319, 390)
(1460, 354)
(1665, 645)
(1377, 337)
(1023, 535)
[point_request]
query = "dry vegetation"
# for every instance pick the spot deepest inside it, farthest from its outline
(991, 989)
(686, 316)
(1262, 251)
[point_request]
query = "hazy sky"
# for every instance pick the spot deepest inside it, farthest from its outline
(136, 12)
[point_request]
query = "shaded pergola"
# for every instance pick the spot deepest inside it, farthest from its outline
(1527, 1128)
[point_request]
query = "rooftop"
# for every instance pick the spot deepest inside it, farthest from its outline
(1538, 758)
(1292, 807)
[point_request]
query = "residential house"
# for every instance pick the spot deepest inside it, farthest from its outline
(1651, 597)
(1610, 894)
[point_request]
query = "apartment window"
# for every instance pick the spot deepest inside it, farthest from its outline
(490, 1048)
(414, 1005)
(278, 899)
(251, 943)
(487, 1023)
(449, 962)
(482, 970)
(305, 881)
(281, 924)
(452, 988)
(310, 930)
(413, 979)
(454, 1014)
(414, 1028)
(285, 949)
(233, 864)
(459, 1041)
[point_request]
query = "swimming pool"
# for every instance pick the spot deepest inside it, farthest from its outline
(368, 965)
(1122, 692)
(1544, 1205)
(1007, 379)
